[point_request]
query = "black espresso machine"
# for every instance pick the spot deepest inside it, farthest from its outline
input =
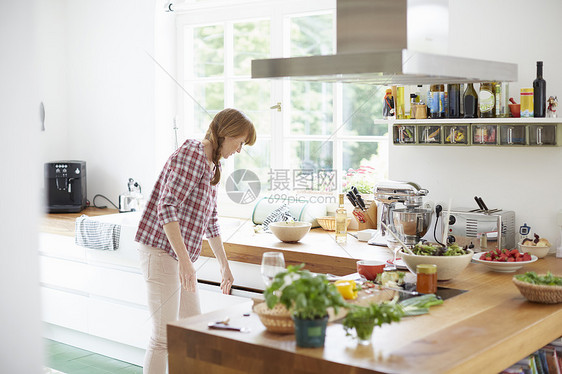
(65, 185)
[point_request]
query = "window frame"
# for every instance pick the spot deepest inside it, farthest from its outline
(211, 12)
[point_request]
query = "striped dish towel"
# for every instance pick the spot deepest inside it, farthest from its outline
(96, 235)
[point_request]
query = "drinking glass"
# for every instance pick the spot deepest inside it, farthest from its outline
(271, 264)
(393, 244)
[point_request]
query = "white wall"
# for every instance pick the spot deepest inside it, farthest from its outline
(110, 91)
(526, 180)
(20, 95)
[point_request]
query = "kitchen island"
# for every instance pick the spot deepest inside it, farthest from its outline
(486, 329)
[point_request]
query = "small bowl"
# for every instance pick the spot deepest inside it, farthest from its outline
(515, 110)
(290, 232)
(369, 269)
(540, 252)
(448, 267)
(500, 266)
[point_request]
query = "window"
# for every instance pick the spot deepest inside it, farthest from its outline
(320, 127)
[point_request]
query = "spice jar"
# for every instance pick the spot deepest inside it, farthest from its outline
(426, 278)
(527, 106)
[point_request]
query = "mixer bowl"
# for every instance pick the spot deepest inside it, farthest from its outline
(415, 222)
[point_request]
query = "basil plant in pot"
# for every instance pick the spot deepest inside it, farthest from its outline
(363, 319)
(308, 296)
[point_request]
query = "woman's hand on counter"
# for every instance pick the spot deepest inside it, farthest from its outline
(227, 279)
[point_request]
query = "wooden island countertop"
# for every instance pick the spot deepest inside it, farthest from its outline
(484, 330)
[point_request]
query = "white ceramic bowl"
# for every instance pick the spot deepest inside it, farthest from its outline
(290, 232)
(448, 267)
(540, 252)
(502, 267)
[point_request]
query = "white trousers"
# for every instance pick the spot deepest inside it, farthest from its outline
(167, 302)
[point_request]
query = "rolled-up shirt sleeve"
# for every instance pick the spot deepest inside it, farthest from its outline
(182, 178)
(213, 228)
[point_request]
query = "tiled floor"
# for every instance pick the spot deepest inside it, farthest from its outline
(72, 360)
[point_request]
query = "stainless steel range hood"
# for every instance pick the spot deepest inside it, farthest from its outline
(384, 42)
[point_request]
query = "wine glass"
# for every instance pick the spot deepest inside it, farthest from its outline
(393, 244)
(271, 264)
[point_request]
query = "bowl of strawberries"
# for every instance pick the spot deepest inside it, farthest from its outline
(504, 260)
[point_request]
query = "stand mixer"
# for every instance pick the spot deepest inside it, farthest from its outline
(411, 214)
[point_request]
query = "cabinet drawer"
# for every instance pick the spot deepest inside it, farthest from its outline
(65, 309)
(63, 273)
(61, 246)
(117, 284)
(120, 323)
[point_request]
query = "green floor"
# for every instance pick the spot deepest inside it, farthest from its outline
(72, 360)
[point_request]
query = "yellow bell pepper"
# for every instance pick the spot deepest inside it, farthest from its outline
(347, 288)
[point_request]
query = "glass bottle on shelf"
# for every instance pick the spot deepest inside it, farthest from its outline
(539, 93)
(487, 100)
(454, 96)
(341, 222)
(470, 102)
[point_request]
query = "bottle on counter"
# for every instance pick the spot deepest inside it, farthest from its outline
(539, 96)
(454, 100)
(487, 100)
(341, 222)
(470, 102)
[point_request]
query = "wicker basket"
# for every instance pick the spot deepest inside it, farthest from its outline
(539, 293)
(277, 320)
(329, 223)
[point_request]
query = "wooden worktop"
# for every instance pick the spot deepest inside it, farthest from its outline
(64, 223)
(318, 249)
(484, 330)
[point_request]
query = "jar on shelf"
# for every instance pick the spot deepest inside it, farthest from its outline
(455, 134)
(542, 134)
(429, 134)
(513, 135)
(484, 134)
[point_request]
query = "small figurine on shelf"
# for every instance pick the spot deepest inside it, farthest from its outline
(388, 110)
(551, 108)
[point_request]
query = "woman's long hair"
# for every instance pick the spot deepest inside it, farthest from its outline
(228, 122)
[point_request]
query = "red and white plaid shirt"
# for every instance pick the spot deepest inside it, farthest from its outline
(182, 193)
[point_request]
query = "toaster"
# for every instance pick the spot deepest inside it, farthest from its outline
(485, 229)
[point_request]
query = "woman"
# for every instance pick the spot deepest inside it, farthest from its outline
(183, 207)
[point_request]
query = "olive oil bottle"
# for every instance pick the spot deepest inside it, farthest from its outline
(341, 222)
(470, 102)
(487, 100)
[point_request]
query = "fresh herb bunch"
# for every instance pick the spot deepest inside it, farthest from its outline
(426, 249)
(364, 318)
(415, 306)
(545, 280)
(306, 295)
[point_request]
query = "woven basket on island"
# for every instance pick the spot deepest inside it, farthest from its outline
(328, 223)
(277, 320)
(539, 293)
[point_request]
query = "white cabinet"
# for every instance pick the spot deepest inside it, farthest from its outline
(99, 297)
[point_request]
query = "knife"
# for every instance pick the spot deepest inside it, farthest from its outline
(359, 198)
(352, 199)
(222, 326)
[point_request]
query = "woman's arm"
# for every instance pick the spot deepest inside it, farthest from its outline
(188, 279)
(218, 249)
